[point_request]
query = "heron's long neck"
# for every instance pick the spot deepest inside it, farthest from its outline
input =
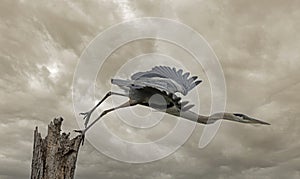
(205, 119)
(237, 117)
(192, 116)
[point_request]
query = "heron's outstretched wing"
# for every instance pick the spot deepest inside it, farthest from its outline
(169, 79)
(162, 84)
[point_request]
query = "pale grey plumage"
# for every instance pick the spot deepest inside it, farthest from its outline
(163, 78)
(164, 81)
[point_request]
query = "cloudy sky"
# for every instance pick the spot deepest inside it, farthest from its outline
(257, 43)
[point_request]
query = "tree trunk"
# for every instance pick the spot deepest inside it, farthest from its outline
(55, 156)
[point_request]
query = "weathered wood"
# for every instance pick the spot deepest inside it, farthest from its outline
(55, 156)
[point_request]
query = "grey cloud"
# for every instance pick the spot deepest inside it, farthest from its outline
(257, 43)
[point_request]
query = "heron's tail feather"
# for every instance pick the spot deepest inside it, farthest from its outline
(120, 82)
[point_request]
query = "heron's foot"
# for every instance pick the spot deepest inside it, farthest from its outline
(82, 132)
(86, 117)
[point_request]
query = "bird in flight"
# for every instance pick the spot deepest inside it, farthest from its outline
(166, 82)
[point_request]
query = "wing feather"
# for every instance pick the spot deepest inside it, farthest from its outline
(177, 81)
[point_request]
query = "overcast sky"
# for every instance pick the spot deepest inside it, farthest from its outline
(257, 43)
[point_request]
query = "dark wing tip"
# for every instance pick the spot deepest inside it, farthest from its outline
(194, 78)
(198, 82)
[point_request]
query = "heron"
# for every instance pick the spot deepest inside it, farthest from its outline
(166, 82)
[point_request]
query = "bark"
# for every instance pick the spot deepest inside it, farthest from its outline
(55, 156)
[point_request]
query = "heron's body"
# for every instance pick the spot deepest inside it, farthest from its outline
(145, 97)
(170, 104)
(164, 82)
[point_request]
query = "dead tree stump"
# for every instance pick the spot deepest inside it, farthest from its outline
(55, 156)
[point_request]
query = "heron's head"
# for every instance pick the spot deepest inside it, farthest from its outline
(238, 117)
(246, 119)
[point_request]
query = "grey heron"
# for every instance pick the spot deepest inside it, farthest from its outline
(164, 81)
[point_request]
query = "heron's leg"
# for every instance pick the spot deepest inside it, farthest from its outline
(88, 114)
(127, 104)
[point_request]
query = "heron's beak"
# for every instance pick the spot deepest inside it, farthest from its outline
(256, 121)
